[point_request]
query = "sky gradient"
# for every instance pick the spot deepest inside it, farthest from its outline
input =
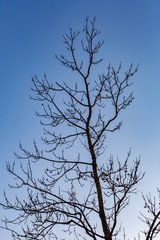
(31, 34)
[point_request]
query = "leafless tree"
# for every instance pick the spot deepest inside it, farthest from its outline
(152, 218)
(79, 194)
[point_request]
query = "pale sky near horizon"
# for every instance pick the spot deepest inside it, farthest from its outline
(31, 34)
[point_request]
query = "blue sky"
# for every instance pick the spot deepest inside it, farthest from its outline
(31, 34)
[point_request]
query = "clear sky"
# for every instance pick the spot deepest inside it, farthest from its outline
(31, 34)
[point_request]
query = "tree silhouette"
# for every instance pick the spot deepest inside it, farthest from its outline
(152, 218)
(79, 193)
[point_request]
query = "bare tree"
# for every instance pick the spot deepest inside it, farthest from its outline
(152, 218)
(81, 195)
